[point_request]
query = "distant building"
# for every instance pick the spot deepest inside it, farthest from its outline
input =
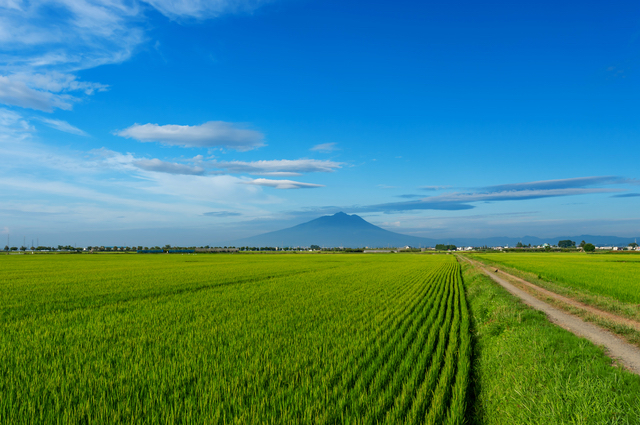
(216, 250)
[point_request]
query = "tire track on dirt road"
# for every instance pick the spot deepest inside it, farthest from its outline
(628, 355)
(565, 300)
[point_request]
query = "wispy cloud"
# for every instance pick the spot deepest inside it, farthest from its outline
(62, 126)
(462, 201)
(212, 134)
(426, 204)
(282, 184)
(409, 196)
(160, 166)
(389, 224)
(13, 126)
(89, 188)
(44, 91)
(557, 184)
(222, 214)
(78, 35)
(434, 188)
(507, 192)
(17, 93)
(458, 201)
(325, 147)
(626, 195)
(44, 42)
(50, 40)
(281, 167)
(200, 9)
(58, 82)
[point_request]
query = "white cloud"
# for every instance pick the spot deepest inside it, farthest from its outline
(157, 165)
(434, 188)
(12, 119)
(389, 224)
(18, 93)
(68, 35)
(282, 167)
(222, 214)
(203, 8)
(58, 82)
(211, 134)
(282, 184)
(112, 181)
(62, 126)
(44, 42)
(325, 147)
(13, 127)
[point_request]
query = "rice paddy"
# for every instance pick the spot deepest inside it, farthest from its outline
(233, 339)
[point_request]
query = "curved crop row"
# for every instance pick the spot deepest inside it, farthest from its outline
(415, 369)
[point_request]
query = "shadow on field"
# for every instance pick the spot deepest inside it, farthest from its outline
(474, 413)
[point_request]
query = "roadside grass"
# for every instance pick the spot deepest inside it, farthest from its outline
(602, 302)
(528, 371)
(628, 333)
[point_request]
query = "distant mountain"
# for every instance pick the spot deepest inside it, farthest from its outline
(335, 230)
(352, 231)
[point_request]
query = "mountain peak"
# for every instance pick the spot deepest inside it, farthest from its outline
(339, 219)
(339, 229)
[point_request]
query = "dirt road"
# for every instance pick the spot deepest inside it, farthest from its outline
(626, 354)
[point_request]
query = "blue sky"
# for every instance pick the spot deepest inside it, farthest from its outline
(193, 122)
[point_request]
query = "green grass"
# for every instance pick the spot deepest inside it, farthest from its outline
(233, 339)
(614, 276)
(529, 371)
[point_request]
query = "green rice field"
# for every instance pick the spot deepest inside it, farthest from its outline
(611, 275)
(233, 339)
